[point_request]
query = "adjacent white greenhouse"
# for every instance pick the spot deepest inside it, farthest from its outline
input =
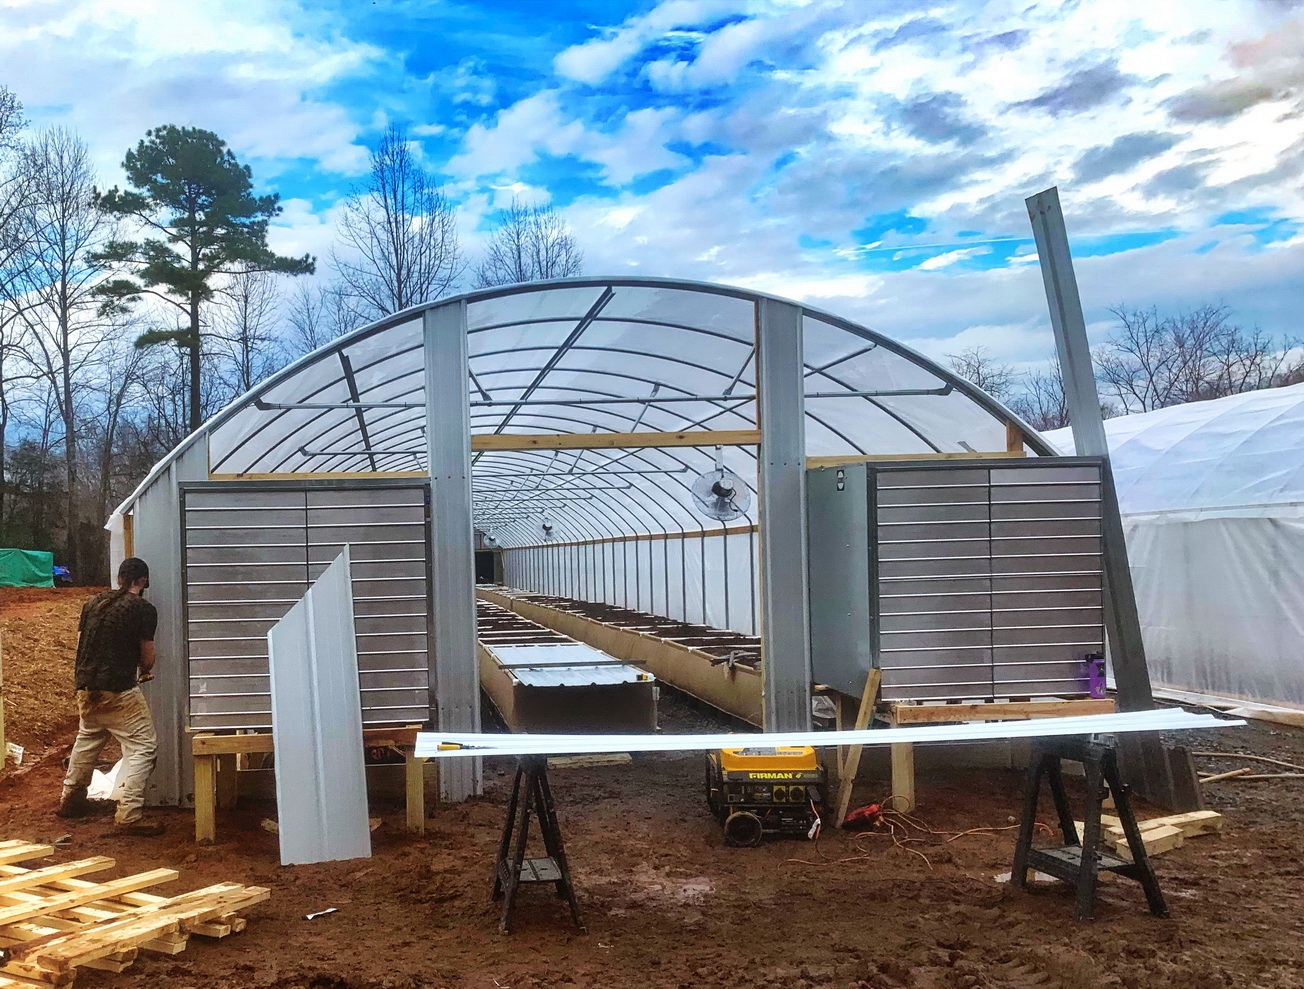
(1212, 499)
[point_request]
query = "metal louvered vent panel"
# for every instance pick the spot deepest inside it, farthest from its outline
(252, 552)
(989, 580)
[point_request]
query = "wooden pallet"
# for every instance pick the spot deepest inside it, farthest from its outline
(53, 922)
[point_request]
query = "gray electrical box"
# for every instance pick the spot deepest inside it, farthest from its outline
(966, 579)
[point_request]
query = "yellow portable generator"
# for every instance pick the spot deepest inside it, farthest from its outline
(766, 790)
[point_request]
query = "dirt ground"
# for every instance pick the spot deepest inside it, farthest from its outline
(668, 906)
(38, 647)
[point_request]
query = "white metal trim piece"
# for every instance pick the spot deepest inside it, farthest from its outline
(321, 784)
(443, 745)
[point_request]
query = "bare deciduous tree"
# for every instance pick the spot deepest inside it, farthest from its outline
(11, 118)
(60, 229)
(399, 234)
(315, 315)
(13, 196)
(976, 367)
(244, 327)
(1152, 362)
(1041, 403)
(532, 243)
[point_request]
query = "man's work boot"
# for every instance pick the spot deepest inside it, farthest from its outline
(142, 827)
(74, 804)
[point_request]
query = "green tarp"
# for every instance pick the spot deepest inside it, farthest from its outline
(26, 568)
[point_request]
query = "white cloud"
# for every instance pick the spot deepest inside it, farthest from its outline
(820, 116)
(113, 69)
(945, 260)
(593, 61)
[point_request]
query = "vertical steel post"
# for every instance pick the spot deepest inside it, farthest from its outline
(785, 612)
(454, 674)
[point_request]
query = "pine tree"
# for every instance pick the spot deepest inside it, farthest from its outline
(195, 204)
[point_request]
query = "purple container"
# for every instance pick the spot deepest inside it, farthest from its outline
(1093, 672)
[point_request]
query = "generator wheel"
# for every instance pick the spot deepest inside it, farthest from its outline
(743, 830)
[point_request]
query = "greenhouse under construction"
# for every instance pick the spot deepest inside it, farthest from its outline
(741, 496)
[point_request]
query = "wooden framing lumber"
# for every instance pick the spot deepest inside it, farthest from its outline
(205, 799)
(414, 782)
(902, 797)
(206, 743)
(22, 851)
(846, 459)
(639, 537)
(330, 475)
(1014, 439)
(214, 758)
(67, 870)
(847, 771)
(481, 442)
(101, 891)
(62, 951)
(52, 922)
(1157, 841)
(918, 714)
(1192, 825)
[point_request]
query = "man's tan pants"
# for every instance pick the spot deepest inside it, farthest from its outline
(125, 716)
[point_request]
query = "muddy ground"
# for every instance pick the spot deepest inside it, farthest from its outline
(668, 906)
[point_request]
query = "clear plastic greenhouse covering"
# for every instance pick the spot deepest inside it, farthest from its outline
(598, 355)
(1212, 498)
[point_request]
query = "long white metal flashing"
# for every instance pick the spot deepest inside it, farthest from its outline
(444, 745)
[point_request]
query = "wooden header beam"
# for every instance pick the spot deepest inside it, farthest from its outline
(845, 459)
(327, 475)
(614, 441)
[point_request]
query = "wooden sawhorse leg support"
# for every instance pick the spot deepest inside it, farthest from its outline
(531, 795)
(1080, 860)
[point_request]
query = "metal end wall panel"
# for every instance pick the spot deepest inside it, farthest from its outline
(252, 551)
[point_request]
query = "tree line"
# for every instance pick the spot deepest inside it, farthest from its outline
(1150, 361)
(130, 315)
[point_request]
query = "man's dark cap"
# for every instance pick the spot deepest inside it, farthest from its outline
(132, 569)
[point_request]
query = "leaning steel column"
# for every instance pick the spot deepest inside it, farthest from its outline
(785, 612)
(1164, 777)
(1123, 625)
(454, 675)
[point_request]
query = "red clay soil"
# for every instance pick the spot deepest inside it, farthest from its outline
(669, 907)
(38, 647)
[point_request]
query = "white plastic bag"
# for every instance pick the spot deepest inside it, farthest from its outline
(105, 786)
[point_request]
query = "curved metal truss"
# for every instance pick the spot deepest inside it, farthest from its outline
(594, 355)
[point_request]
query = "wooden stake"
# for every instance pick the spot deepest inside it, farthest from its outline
(1225, 776)
(851, 764)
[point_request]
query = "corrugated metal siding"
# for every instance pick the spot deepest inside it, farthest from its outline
(251, 553)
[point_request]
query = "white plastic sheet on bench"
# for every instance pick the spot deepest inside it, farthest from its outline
(321, 785)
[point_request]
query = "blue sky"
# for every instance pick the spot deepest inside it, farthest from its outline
(868, 156)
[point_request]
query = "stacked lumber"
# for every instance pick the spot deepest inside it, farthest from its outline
(53, 922)
(1159, 834)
